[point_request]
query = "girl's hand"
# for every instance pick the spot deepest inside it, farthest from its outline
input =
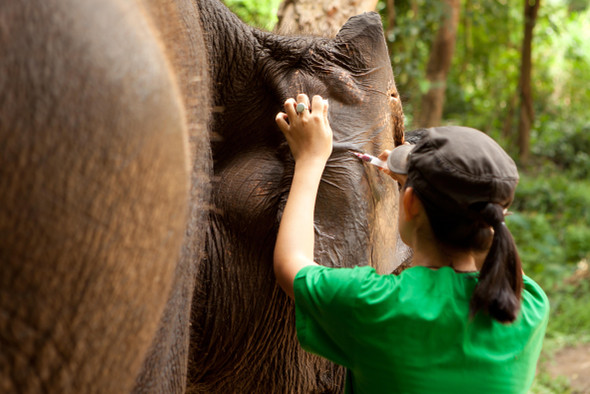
(400, 178)
(309, 133)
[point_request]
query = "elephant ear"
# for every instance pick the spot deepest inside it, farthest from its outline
(362, 41)
(361, 50)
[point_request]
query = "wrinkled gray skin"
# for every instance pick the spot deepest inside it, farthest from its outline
(244, 339)
(100, 104)
(105, 169)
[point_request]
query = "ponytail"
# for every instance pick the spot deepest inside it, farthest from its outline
(498, 290)
(499, 287)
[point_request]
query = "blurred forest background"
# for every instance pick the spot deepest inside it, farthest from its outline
(520, 71)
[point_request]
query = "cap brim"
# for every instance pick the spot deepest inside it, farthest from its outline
(397, 161)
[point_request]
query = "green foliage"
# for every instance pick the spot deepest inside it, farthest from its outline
(483, 82)
(570, 148)
(538, 245)
(409, 46)
(561, 131)
(550, 224)
(550, 190)
(258, 13)
(546, 384)
(569, 325)
(570, 305)
(550, 227)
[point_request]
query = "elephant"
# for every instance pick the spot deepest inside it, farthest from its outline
(143, 179)
(105, 171)
(243, 336)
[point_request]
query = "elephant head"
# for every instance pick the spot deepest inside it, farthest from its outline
(243, 324)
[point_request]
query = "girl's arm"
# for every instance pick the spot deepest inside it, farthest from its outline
(310, 138)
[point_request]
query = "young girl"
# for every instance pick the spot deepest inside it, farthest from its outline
(463, 318)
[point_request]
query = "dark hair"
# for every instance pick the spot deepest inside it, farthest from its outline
(500, 283)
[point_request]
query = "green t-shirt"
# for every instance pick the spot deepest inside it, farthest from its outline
(412, 333)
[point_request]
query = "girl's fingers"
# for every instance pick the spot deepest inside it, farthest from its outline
(302, 98)
(281, 120)
(384, 155)
(290, 105)
(317, 104)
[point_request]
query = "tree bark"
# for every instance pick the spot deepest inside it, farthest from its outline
(390, 18)
(531, 8)
(507, 129)
(320, 17)
(467, 22)
(439, 63)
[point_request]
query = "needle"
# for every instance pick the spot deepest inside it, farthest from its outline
(371, 160)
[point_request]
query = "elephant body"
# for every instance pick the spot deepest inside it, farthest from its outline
(100, 104)
(142, 183)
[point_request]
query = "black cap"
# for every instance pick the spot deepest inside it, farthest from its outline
(456, 167)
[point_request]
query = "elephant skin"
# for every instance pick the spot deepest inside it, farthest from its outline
(244, 339)
(106, 170)
(101, 102)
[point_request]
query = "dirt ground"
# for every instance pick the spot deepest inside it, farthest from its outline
(573, 363)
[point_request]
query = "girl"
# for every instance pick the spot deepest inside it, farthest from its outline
(463, 318)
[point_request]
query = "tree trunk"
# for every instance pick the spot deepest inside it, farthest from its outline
(389, 34)
(467, 22)
(531, 8)
(439, 64)
(507, 129)
(390, 19)
(323, 17)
